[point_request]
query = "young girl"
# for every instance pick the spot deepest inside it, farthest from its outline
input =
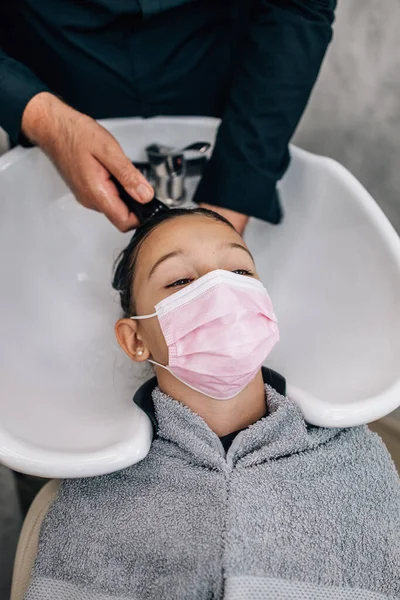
(238, 497)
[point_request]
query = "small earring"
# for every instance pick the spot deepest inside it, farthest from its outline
(140, 352)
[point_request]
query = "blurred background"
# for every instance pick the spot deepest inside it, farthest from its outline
(354, 117)
(3, 141)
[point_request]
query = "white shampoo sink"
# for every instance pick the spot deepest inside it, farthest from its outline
(332, 268)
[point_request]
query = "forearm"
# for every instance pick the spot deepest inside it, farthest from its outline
(18, 85)
(275, 71)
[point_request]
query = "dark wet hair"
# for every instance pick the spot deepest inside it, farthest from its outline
(126, 262)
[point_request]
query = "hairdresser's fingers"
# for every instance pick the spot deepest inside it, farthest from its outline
(116, 210)
(73, 140)
(97, 192)
(111, 155)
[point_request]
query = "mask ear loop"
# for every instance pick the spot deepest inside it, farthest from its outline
(153, 362)
(144, 317)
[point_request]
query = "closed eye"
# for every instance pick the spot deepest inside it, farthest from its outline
(243, 272)
(179, 282)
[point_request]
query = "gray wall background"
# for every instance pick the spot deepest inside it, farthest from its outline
(3, 141)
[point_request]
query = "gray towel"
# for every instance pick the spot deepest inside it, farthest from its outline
(291, 512)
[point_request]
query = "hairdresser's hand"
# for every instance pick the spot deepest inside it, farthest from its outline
(238, 220)
(85, 154)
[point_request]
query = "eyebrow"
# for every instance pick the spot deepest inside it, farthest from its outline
(180, 252)
(227, 245)
(162, 259)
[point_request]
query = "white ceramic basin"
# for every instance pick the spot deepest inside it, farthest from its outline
(332, 268)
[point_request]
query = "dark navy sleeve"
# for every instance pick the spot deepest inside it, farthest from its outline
(277, 65)
(17, 86)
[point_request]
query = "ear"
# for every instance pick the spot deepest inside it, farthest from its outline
(130, 340)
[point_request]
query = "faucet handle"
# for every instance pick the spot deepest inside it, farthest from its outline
(201, 147)
(168, 167)
(162, 150)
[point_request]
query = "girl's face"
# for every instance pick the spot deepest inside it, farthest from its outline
(174, 255)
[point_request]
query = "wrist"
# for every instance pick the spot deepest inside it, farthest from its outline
(38, 119)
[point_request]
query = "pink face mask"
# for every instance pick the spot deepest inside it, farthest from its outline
(219, 330)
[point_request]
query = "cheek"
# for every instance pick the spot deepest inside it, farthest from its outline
(154, 340)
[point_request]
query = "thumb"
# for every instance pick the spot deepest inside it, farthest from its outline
(113, 158)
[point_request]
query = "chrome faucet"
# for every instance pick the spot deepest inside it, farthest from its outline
(168, 168)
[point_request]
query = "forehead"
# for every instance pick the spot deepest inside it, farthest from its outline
(191, 232)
